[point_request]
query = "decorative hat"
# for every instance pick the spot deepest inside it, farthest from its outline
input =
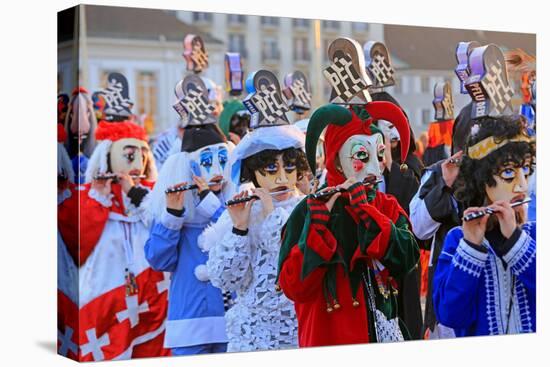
(196, 112)
(194, 53)
(443, 101)
(264, 100)
(272, 128)
(233, 73)
(297, 92)
(488, 82)
(462, 70)
(114, 131)
(378, 65)
(347, 74)
(117, 98)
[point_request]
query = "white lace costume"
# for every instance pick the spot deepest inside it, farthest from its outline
(262, 318)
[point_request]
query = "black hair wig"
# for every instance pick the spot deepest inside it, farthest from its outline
(259, 161)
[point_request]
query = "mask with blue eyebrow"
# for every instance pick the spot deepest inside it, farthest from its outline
(210, 161)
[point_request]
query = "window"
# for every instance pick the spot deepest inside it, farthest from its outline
(202, 17)
(331, 24)
(270, 49)
(300, 23)
(425, 84)
(270, 21)
(301, 49)
(146, 93)
(236, 19)
(237, 43)
(426, 116)
(360, 27)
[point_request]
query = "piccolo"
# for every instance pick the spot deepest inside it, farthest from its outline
(189, 187)
(455, 161)
(254, 197)
(326, 194)
(489, 211)
(114, 177)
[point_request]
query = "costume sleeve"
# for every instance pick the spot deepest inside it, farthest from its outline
(210, 207)
(456, 281)
(161, 248)
(94, 213)
(322, 242)
(271, 229)
(390, 242)
(432, 205)
(522, 257)
(229, 257)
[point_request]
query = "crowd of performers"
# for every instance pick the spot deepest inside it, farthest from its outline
(263, 233)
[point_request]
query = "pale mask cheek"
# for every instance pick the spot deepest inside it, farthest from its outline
(127, 156)
(357, 144)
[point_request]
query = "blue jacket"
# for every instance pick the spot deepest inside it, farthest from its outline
(472, 288)
(195, 307)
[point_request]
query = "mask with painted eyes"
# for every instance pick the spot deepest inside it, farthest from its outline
(360, 156)
(129, 156)
(278, 176)
(511, 182)
(209, 162)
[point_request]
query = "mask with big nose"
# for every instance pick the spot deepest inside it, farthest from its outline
(128, 156)
(209, 163)
(278, 176)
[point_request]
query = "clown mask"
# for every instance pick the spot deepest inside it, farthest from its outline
(278, 176)
(511, 183)
(388, 129)
(209, 163)
(360, 156)
(129, 156)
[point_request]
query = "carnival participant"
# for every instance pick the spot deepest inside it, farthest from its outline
(80, 123)
(485, 280)
(435, 209)
(195, 322)
(339, 257)
(245, 242)
(122, 299)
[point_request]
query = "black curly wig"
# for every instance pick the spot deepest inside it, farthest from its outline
(474, 175)
(259, 161)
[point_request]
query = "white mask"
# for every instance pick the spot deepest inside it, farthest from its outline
(387, 128)
(360, 155)
(210, 161)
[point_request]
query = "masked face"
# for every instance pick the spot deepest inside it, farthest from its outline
(360, 156)
(209, 163)
(389, 130)
(129, 156)
(511, 182)
(278, 176)
(80, 117)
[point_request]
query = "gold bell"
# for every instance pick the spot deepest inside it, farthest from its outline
(355, 303)
(403, 167)
(336, 305)
(329, 308)
(277, 287)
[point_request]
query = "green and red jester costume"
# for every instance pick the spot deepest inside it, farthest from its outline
(325, 255)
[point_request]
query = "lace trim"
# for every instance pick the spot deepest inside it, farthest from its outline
(522, 254)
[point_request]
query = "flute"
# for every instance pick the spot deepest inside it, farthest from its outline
(325, 194)
(189, 187)
(489, 211)
(114, 176)
(455, 161)
(253, 197)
